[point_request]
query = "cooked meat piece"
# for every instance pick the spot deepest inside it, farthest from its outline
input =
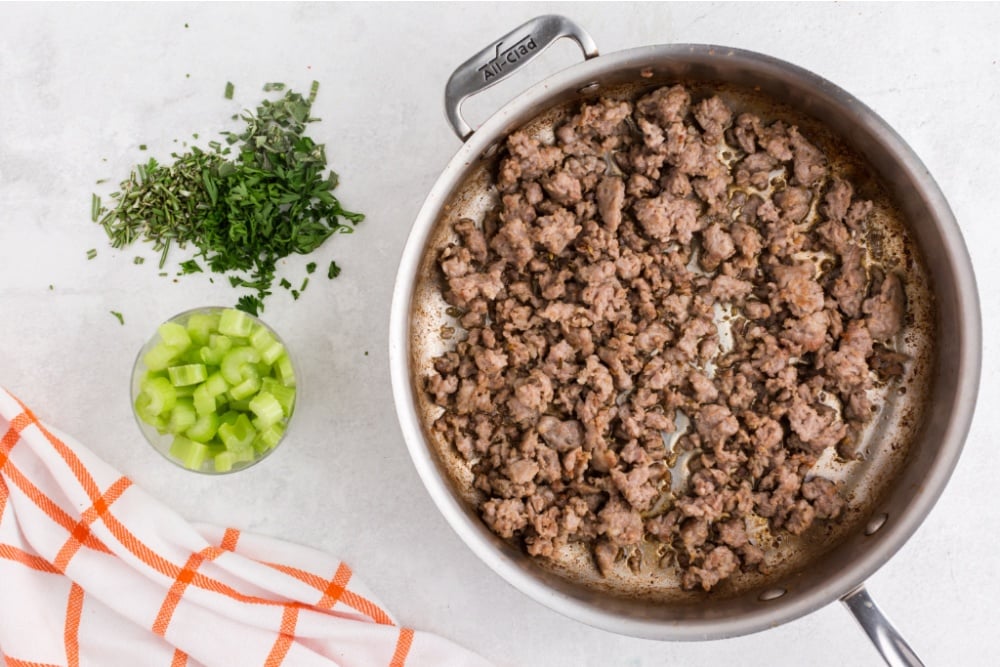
(629, 284)
(886, 309)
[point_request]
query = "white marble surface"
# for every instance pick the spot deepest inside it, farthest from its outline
(82, 86)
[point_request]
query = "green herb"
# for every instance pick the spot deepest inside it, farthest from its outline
(305, 282)
(295, 294)
(142, 147)
(310, 267)
(163, 273)
(274, 197)
(95, 207)
(121, 319)
(366, 353)
(268, 87)
(51, 287)
(138, 260)
(190, 266)
(101, 180)
(92, 253)
(333, 271)
(284, 283)
(229, 90)
(249, 304)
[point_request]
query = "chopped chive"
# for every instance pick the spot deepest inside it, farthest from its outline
(138, 260)
(121, 319)
(313, 89)
(304, 283)
(229, 90)
(101, 180)
(142, 147)
(333, 271)
(92, 253)
(95, 207)
(51, 287)
(163, 273)
(310, 267)
(268, 87)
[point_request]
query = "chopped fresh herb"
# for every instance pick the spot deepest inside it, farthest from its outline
(185, 25)
(195, 135)
(51, 287)
(305, 282)
(268, 87)
(310, 267)
(142, 147)
(163, 273)
(295, 294)
(187, 76)
(101, 180)
(190, 266)
(242, 213)
(333, 271)
(366, 353)
(121, 319)
(92, 253)
(229, 90)
(138, 260)
(249, 304)
(95, 208)
(284, 283)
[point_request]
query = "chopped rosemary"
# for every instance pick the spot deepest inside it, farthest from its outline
(272, 197)
(121, 318)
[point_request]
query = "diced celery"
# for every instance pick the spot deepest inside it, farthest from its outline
(268, 438)
(183, 416)
(217, 347)
(160, 356)
(190, 453)
(182, 376)
(204, 428)
(229, 417)
(224, 461)
(236, 364)
(192, 355)
(237, 436)
(234, 322)
(283, 370)
(216, 384)
(242, 405)
(161, 393)
(186, 392)
(285, 395)
(201, 325)
(267, 408)
(261, 338)
(245, 389)
(142, 410)
(175, 335)
(204, 401)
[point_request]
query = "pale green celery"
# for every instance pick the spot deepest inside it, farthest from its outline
(142, 409)
(160, 356)
(268, 438)
(235, 365)
(245, 389)
(224, 461)
(283, 369)
(267, 408)
(204, 428)
(218, 345)
(237, 436)
(285, 395)
(175, 335)
(204, 401)
(201, 325)
(234, 322)
(216, 384)
(182, 417)
(190, 453)
(162, 395)
(182, 376)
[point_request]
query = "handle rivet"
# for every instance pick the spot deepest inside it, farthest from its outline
(876, 523)
(771, 594)
(589, 88)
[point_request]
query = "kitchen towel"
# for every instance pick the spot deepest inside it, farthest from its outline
(93, 571)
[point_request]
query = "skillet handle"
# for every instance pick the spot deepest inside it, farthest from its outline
(504, 57)
(894, 649)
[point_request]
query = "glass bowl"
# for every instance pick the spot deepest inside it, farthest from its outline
(214, 390)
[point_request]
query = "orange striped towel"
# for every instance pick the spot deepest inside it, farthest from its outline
(95, 572)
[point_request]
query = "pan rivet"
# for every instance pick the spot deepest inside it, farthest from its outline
(876, 523)
(589, 88)
(771, 594)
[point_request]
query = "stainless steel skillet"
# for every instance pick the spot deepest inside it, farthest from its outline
(911, 449)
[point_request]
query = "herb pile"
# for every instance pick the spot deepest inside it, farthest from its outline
(245, 205)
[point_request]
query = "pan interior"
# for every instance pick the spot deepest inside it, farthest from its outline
(886, 440)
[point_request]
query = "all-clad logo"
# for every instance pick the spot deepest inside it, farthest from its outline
(508, 57)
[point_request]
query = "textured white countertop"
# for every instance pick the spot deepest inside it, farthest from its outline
(82, 86)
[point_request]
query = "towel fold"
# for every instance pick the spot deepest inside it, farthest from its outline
(93, 571)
